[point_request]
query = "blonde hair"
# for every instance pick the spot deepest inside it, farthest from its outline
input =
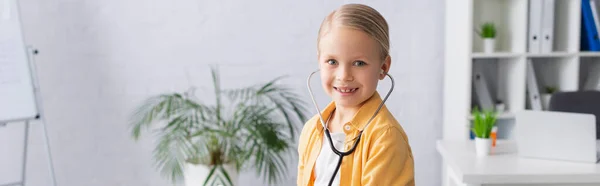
(363, 18)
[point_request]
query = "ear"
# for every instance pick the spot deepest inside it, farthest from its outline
(385, 67)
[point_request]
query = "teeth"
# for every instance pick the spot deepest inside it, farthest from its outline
(347, 90)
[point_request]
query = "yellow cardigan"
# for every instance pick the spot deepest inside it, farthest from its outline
(382, 157)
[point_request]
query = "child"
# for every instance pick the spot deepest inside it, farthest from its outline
(353, 54)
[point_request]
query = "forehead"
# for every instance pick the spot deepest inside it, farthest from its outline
(344, 41)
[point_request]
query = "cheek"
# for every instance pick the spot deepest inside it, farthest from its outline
(325, 78)
(370, 80)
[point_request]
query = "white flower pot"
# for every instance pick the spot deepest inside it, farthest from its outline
(500, 107)
(546, 100)
(196, 175)
(489, 45)
(483, 146)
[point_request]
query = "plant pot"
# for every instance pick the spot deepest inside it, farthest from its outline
(483, 146)
(198, 174)
(546, 100)
(489, 45)
(500, 107)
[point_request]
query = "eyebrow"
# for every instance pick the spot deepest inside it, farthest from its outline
(360, 57)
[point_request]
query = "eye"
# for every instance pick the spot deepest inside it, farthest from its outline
(360, 63)
(331, 62)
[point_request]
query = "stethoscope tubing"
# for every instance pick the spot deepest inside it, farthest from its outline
(341, 154)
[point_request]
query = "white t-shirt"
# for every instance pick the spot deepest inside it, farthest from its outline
(327, 160)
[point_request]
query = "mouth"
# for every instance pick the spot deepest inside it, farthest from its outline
(345, 90)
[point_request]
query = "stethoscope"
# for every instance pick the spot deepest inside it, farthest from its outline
(328, 134)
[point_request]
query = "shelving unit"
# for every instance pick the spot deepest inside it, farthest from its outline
(553, 54)
(565, 67)
(495, 55)
(589, 66)
(496, 11)
(501, 116)
(589, 54)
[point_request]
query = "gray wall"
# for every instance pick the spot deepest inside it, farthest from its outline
(100, 58)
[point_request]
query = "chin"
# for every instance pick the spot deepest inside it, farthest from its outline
(344, 101)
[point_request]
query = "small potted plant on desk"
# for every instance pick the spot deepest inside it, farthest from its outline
(483, 123)
(547, 95)
(488, 33)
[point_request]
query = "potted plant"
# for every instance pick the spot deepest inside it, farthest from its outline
(488, 33)
(483, 123)
(500, 106)
(208, 144)
(547, 95)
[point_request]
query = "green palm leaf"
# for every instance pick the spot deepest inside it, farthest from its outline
(256, 130)
(284, 99)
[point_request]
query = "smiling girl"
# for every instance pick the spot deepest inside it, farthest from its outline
(353, 55)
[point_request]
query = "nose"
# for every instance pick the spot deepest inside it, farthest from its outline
(344, 73)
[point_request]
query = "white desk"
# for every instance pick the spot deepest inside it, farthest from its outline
(504, 167)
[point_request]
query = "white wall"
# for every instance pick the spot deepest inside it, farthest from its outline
(100, 58)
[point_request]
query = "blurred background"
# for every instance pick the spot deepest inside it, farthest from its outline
(99, 60)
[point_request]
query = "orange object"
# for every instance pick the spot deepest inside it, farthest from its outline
(493, 135)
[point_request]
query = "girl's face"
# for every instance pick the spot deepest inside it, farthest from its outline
(350, 65)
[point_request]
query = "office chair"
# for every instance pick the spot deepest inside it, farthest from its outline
(587, 102)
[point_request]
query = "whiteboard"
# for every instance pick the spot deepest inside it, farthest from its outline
(17, 97)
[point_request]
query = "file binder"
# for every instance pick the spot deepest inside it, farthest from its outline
(589, 32)
(533, 92)
(595, 14)
(593, 79)
(482, 91)
(535, 25)
(547, 26)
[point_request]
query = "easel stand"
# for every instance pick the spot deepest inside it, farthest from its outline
(40, 117)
